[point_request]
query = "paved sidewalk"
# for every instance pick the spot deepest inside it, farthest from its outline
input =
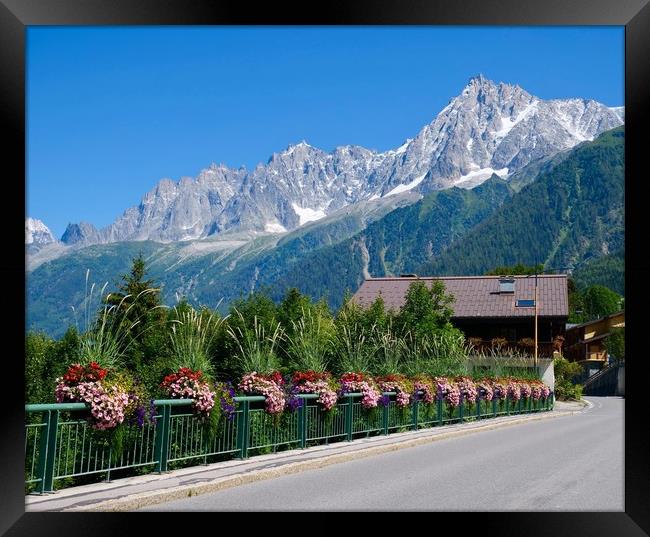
(140, 491)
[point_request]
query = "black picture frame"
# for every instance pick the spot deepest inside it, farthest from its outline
(16, 15)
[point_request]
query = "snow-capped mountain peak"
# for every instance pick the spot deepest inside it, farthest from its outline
(37, 233)
(488, 128)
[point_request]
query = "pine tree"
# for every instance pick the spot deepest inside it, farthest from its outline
(137, 303)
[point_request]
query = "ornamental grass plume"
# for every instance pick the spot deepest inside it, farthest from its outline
(355, 351)
(191, 337)
(107, 338)
(390, 352)
(311, 342)
(256, 351)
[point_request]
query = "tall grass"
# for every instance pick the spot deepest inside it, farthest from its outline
(438, 355)
(354, 350)
(492, 363)
(107, 338)
(191, 337)
(256, 350)
(311, 343)
(390, 351)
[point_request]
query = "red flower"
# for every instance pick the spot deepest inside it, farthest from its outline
(300, 377)
(276, 377)
(77, 373)
(352, 377)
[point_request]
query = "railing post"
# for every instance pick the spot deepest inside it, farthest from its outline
(478, 407)
(519, 405)
(161, 445)
(461, 409)
(439, 409)
(385, 418)
(47, 451)
(348, 419)
(507, 403)
(416, 408)
(243, 429)
(302, 423)
(494, 407)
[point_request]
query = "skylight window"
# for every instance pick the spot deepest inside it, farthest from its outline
(525, 304)
(507, 285)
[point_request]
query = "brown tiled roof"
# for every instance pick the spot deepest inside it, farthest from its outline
(478, 296)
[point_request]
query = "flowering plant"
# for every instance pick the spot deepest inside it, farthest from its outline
(467, 389)
(357, 382)
(499, 389)
(423, 389)
(513, 389)
(525, 389)
(79, 373)
(83, 384)
(188, 384)
(399, 384)
(226, 393)
(318, 383)
(539, 390)
(485, 390)
(448, 391)
(270, 386)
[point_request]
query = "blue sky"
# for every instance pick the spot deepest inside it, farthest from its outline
(112, 110)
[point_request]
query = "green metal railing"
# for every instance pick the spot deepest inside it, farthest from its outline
(62, 446)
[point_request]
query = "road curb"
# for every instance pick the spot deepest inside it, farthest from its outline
(145, 499)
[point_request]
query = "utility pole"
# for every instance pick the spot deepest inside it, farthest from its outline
(535, 320)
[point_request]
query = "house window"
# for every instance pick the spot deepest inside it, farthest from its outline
(507, 285)
(525, 304)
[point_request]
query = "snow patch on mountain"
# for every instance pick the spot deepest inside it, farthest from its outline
(274, 227)
(308, 215)
(476, 177)
(408, 186)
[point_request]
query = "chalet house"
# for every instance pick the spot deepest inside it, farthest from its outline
(585, 343)
(490, 307)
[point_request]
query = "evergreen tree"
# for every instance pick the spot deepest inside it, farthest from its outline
(292, 308)
(137, 305)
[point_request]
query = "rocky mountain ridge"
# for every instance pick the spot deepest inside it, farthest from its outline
(488, 128)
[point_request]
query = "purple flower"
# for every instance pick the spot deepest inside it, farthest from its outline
(294, 403)
(384, 400)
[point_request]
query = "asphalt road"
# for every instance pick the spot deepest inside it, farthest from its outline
(571, 463)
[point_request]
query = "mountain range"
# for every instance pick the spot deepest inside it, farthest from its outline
(323, 221)
(488, 128)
